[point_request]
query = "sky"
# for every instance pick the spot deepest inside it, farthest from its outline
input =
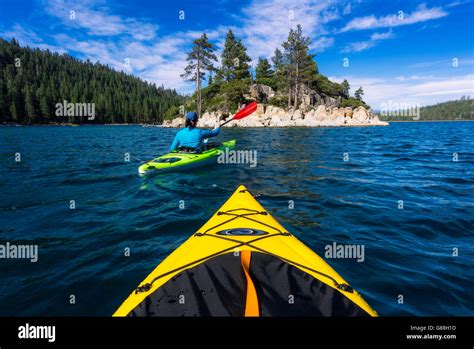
(399, 51)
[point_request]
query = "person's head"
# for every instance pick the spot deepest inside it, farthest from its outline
(191, 119)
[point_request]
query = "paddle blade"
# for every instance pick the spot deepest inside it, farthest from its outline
(246, 111)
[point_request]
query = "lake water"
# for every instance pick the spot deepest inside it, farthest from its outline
(408, 251)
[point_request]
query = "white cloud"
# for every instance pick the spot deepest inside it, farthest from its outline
(266, 24)
(358, 46)
(448, 87)
(321, 43)
(98, 21)
(423, 90)
(415, 77)
(421, 14)
(168, 74)
(347, 9)
(104, 52)
(135, 48)
(101, 35)
(161, 62)
(364, 45)
(457, 3)
(441, 63)
(27, 37)
(164, 61)
(382, 36)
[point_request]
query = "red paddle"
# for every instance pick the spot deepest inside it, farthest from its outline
(242, 113)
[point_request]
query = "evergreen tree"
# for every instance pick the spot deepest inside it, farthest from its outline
(234, 59)
(234, 72)
(3, 95)
(227, 57)
(241, 62)
(17, 110)
(30, 103)
(345, 88)
(199, 61)
(264, 73)
(359, 93)
(281, 68)
(302, 67)
(29, 92)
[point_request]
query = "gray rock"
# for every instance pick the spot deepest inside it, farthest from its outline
(277, 117)
(261, 93)
(348, 111)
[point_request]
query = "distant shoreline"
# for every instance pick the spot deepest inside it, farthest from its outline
(427, 120)
(71, 125)
(159, 125)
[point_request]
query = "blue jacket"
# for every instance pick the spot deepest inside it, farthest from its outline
(192, 137)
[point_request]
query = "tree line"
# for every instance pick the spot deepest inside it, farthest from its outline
(462, 109)
(291, 68)
(33, 82)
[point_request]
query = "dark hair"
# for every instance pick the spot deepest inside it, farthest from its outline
(190, 123)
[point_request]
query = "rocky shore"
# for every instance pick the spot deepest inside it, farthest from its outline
(270, 116)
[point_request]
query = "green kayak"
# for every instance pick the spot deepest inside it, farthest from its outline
(178, 160)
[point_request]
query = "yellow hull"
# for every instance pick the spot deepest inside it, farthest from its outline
(242, 224)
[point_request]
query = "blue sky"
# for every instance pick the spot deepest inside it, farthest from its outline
(399, 51)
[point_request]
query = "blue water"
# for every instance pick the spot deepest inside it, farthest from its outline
(408, 252)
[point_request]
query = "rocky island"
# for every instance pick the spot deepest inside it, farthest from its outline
(315, 110)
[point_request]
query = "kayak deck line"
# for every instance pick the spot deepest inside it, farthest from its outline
(146, 287)
(252, 267)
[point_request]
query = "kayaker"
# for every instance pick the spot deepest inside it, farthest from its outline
(191, 138)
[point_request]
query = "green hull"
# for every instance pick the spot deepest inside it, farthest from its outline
(177, 161)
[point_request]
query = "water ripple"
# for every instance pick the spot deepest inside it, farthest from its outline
(422, 250)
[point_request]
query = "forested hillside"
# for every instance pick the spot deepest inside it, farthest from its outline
(33, 81)
(462, 109)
